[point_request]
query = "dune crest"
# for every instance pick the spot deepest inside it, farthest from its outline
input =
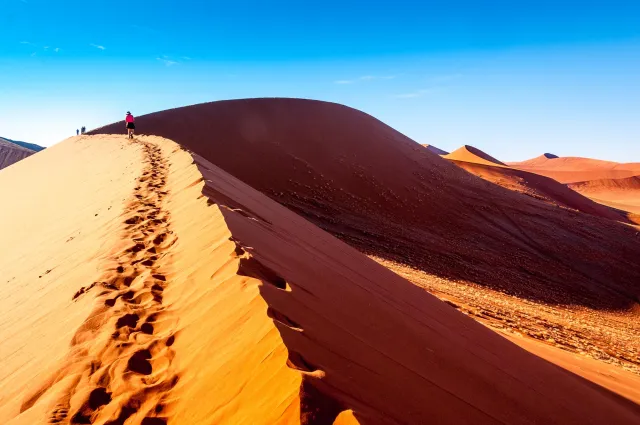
(576, 169)
(473, 155)
(385, 195)
(211, 303)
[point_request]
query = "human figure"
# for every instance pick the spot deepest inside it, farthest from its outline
(130, 124)
(77, 131)
(82, 129)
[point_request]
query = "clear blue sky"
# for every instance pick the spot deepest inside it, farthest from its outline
(514, 78)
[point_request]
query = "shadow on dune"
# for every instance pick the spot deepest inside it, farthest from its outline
(384, 194)
(366, 340)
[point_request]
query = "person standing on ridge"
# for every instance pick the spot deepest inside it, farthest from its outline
(77, 132)
(130, 124)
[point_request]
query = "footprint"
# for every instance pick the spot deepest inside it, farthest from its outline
(139, 362)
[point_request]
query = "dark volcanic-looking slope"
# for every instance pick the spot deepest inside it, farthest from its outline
(386, 195)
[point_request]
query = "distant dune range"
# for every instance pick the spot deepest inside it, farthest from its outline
(574, 169)
(12, 151)
(529, 183)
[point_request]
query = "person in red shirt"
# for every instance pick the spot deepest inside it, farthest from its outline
(130, 124)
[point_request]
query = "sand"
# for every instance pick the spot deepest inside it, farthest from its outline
(475, 156)
(188, 297)
(384, 194)
(11, 153)
(435, 150)
(576, 169)
(534, 185)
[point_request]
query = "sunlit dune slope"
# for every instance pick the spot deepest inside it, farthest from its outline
(542, 188)
(575, 169)
(388, 196)
(623, 194)
(176, 294)
(473, 155)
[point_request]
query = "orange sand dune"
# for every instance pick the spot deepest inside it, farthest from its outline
(435, 150)
(11, 153)
(384, 194)
(542, 188)
(473, 155)
(623, 194)
(574, 169)
(176, 294)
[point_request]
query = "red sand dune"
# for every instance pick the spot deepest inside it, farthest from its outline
(435, 150)
(575, 169)
(211, 303)
(11, 153)
(384, 194)
(623, 194)
(543, 188)
(473, 155)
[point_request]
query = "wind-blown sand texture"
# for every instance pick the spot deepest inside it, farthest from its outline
(162, 290)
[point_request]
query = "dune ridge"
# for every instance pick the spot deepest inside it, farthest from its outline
(576, 169)
(387, 196)
(473, 155)
(249, 314)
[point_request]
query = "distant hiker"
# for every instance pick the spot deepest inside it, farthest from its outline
(130, 124)
(82, 129)
(77, 131)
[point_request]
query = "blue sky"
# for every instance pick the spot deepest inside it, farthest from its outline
(515, 79)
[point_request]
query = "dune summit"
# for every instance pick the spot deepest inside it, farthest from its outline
(473, 155)
(386, 195)
(165, 291)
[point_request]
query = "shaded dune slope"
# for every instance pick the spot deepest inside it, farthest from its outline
(11, 153)
(211, 303)
(386, 195)
(435, 150)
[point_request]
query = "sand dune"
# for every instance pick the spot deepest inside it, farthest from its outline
(575, 169)
(10, 153)
(623, 194)
(473, 155)
(176, 294)
(544, 189)
(435, 150)
(384, 194)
